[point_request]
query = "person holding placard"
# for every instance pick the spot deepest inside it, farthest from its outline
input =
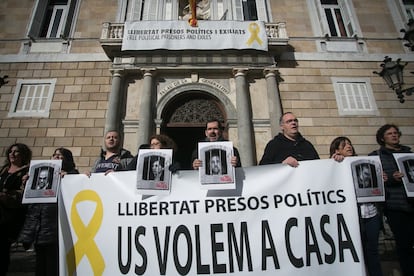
(41, 224)
(214, 133)
(370, 218)
(398, 208)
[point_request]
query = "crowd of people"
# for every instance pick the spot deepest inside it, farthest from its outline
(36, 224)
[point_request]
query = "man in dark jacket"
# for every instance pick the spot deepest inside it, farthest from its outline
(113, 157)
(214, 133)
(289, 146)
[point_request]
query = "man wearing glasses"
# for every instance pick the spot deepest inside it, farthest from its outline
(289, 146)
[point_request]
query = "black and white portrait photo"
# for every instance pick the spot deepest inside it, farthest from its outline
(153, 168)
(216, 171)
(405, 163)
(409, 170)
(367, 178)
(153, 174)
(43, 183)
(43, 178)
(216, 163)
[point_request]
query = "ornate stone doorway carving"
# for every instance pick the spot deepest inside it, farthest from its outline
(184, 119)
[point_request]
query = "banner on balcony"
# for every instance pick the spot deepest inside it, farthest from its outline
(279, 220)
(209, 35)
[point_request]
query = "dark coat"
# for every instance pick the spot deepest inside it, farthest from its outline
(280, 147)
(12, 212)
(395, 196)
(122, 160)
(41, 224)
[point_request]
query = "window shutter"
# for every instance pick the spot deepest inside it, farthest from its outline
(322, 18)
(69, 18)
(38, 17)
(122, 13)
(150, 10)
(32, 98)
(137, 10)
(261, 10)
(238, 10)
(354, 96)
(168, 13)
(410, 12)
(347, 17)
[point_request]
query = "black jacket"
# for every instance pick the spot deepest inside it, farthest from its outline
(120, 162)
(41, 223)
(280, 147)
(40, 226)
(395, 196)
(12, 212)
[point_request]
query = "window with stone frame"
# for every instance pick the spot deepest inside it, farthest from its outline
(53, 19)
(335, 18)
(409, 8)
(32, 98)
(252, 10)
(354, 96)
(401, 12)
(206, 10)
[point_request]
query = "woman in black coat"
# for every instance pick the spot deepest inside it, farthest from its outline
(12, 211)
(41, 224)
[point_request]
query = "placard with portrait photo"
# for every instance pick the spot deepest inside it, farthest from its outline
(216, 172)
(368, 181)
(44, 181)
(153, 173)
(405, 163)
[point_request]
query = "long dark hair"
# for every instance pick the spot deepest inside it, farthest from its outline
(68, 163)
(25, 153)
(337, 142)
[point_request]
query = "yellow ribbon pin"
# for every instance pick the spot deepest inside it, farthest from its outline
(254, 30)
(86, 246)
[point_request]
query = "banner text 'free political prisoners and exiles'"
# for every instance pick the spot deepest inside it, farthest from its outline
(209, 35)
(279, 219)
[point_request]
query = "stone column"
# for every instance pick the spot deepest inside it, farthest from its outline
(146, 118)
(244, 119)
(273, 98)
(113, 117)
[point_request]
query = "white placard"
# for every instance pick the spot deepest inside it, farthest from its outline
(44, 181)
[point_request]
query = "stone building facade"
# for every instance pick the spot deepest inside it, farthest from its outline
(69, 80)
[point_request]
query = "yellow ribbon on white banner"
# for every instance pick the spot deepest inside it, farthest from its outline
(86, 246)
(254, 30)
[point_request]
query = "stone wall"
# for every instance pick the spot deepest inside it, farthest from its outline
(77, 114)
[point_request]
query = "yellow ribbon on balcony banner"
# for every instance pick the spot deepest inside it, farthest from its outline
(193, 18)
(254, 30)
(86, 246)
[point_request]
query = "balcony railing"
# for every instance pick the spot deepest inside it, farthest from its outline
(112, 33)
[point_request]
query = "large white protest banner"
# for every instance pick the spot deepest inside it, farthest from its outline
(209, 35)
(279, 220)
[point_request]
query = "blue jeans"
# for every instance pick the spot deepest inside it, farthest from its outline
(402, 226)
(370, 229)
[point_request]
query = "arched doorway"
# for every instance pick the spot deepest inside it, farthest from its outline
(184, 119)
